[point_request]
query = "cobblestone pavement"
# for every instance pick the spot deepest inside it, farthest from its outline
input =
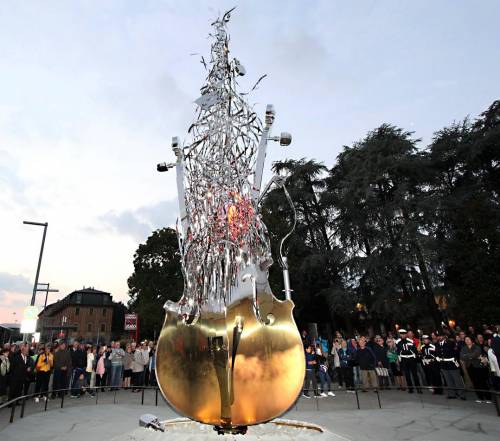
(402, 417)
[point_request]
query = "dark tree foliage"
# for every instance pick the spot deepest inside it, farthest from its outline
(157, 277)
(380, 236)
(463, 214)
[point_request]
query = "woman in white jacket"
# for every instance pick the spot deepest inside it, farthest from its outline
(494, 369)
(141, 359)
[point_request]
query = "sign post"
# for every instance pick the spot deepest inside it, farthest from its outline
(132, 324)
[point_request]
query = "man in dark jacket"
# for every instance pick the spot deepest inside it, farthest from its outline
(79, 363)
(21, 371)
(382, 367)
(366, 359)
(62, 368)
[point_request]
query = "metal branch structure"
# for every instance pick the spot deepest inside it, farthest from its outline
(220, 227)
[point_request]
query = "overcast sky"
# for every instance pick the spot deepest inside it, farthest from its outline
(91, 93)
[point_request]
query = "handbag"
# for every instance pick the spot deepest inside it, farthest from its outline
(382, 372)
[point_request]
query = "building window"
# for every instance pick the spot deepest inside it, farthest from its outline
(79, 297)
(75, 325)
(104, 311)
(91, 311)
(77, 311)
(89, 327)
(103, 327)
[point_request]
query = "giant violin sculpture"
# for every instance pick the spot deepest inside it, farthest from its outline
(229, 353)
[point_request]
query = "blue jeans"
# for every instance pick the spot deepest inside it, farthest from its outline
(76, 383)
(116, 375)
(326, 381)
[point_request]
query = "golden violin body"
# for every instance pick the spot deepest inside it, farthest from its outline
(241, 366)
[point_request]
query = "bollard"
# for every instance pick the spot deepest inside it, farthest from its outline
(378, 398)
(22, 407)
(142, 396)
(357, 397)
(13, 404)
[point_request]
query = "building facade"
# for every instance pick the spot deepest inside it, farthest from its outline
(86, 315)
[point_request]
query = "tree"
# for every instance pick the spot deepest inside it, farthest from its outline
(373, 193)
(157, 277)
(463, 214)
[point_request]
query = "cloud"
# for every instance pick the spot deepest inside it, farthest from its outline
(141, 222)
(14, 283)
(15, 292)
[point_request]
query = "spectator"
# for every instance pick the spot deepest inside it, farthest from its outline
(79, 363)
(4, 372)
(128, 359)
(21, 369)
(140, 360)
(62, 368)
(152, 366)
(460, 339)
(324, 377)
(116, 358)
(494, 368)
(345, 356)
(336, 362)
(100, 370)
(90, 368)
(353, 346)
(147, 348)
(43, 368)
(367, 362)
(477, 369)
(382, 368)
(310, 378)
(393, 359)
(306, 340)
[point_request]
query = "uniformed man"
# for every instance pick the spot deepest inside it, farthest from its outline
(431, 365)
(447, 356)
(408, 354)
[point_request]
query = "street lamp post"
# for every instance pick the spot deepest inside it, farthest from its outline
(35, 285)
(46, 290)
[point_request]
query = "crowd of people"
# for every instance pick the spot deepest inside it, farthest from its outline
(49, 370)
(445, 361)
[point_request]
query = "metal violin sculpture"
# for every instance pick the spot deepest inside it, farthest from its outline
(229, 353)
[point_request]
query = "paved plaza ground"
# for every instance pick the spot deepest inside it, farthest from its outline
(402, 417)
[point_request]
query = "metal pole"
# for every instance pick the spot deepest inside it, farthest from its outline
(46, 295)
(35, 286)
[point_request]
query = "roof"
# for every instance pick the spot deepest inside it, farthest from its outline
(11, 325)
(81, 297)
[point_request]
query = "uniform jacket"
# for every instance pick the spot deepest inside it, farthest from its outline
(446, 354)
(406, 348)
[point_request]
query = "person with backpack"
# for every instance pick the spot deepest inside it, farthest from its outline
(43, 368)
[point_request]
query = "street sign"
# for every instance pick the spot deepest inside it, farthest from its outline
(130, 322)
